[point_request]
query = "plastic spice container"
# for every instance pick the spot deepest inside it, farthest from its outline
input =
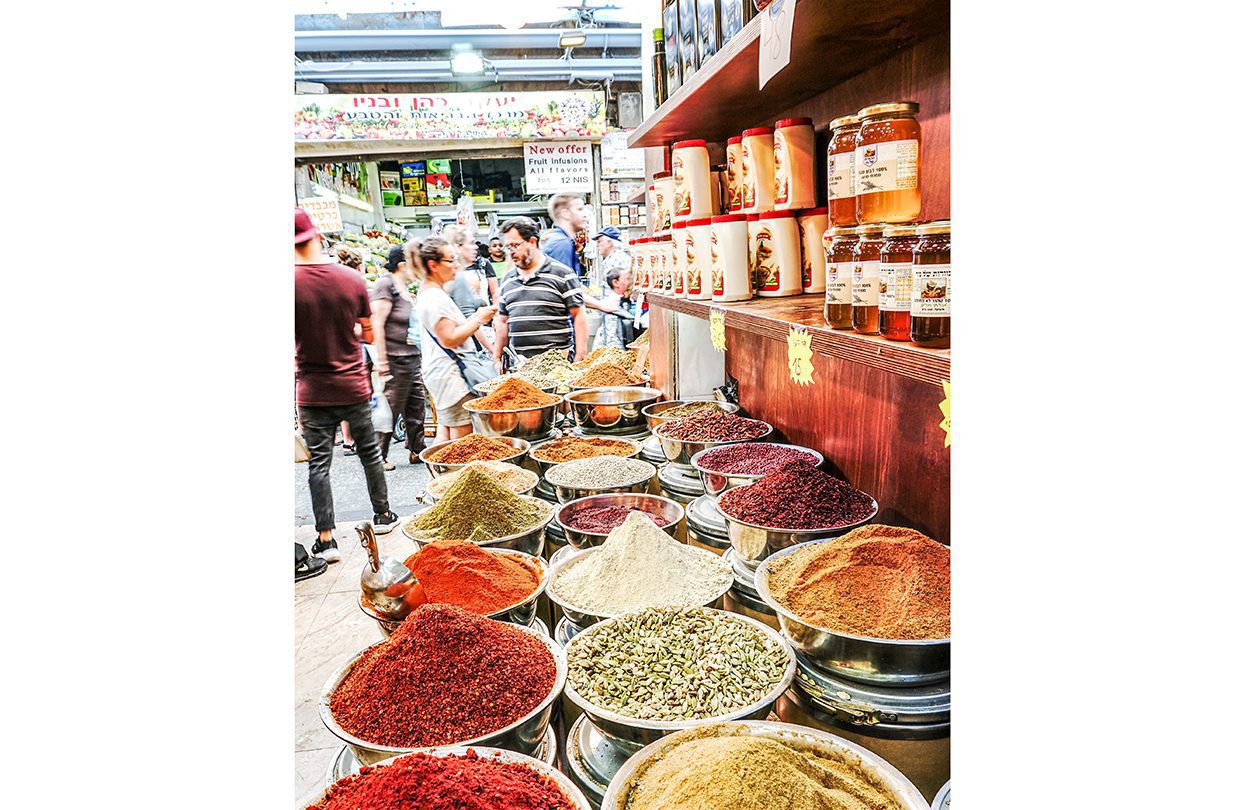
(839, 245)
(754, 227)
(734, 163)
(778, 255)
(840, 170)
(665, 263)
(664, 201)
(717, 189)
(697, 259)
(793, 164)
(649, 260)
(888, 163)
(931, 285)
(678, 237)
(866, 271)
(895, 281)
(728, 258)
(637, 267)
(813, 223)
(758, 170)
(690, 163)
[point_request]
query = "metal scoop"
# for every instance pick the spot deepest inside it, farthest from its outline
(385, 581)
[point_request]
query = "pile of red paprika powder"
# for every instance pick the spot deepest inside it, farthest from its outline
(445, 676)
(459, 572)
(797, 495)
(456, 782)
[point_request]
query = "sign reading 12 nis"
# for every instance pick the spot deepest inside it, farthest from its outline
(553, 166)
(450, 116)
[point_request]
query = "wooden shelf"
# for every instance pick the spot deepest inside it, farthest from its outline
(832, 41)
(773, 318)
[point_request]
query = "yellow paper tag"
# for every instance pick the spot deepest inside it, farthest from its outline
(800, 356)
(945, 407)
(717, 329)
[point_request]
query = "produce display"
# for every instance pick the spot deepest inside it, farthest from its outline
(478, 509)
(797, 495)
(512, 395)
(713, 426)
(456, 572)
(875, 581)
(569, 448)
(600, 472)
(472, 447)
(751, 458)
(512, 477)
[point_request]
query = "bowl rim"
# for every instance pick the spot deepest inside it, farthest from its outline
(557, 464)
(784, 683)
(339, 675)
(468, 403)
(661, 498)
(577, 390)
(496, 540)
(761, 586)
(695, 459)
(724, 406)
(508, 439)
(844, 528)
(636, 446)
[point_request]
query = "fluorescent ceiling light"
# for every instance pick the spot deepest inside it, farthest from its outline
(466, 61)
(572, 39)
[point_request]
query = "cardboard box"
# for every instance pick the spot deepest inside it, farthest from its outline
(687, 38)
(674, 60)
(708, 30)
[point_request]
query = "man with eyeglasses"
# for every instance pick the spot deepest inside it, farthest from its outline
(541, 304)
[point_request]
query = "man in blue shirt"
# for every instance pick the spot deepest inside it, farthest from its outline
(566, 210)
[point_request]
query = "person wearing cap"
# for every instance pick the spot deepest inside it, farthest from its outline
(398, 360)
(616, 323)
(332, 386)
(613, 255)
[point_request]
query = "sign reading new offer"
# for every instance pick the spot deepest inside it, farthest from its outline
(553, 166)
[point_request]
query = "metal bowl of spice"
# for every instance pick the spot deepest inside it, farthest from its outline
(886, 604)
(444, 457)
(683, 438)
(680, 668)
(525, 423)
(597, 475)
(614, 408)
(571, 448)
(524, 735)
(420, 783)
(531, 540)
(518, 480)
(585, 524)
(659, 414)
(705, 766)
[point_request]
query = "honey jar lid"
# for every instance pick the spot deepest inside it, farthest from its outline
(844, 121)
(843, 230)
(898, 230)
(889, 108)
(929, 228)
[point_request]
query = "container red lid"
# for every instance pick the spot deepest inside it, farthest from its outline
(793, 122)
(693, 223)
(812, 212)
(736, 139)
(660, 175)
(665, 238)
(775, 214)
(730, 218)
(752, 217)
(689, 143)
(680, 223)
(758, 131)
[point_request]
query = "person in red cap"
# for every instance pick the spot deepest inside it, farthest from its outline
(333, 386)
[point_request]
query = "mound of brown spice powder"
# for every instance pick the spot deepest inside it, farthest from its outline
(875, 581)
(604, 374)
(444, 676)
(571, 448)
(472, 447)
(512, 395)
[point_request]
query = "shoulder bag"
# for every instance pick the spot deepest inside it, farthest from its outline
(476, 366)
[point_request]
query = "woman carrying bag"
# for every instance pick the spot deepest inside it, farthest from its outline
(453, 360)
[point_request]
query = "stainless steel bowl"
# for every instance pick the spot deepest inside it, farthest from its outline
(670, 509)
(526, 423)
(798, 737)
(562, 780)
(881, 661)
(569, 492)
(435, 469)
(523, 735)
(631, 730)
(943, 800)
(531, 541)
(614, 408)
(636, 447)
(716, 483)
(680, 451)
(753, 543)
(653, 413)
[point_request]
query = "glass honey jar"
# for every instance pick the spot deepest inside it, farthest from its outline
(866, 258)
(895, 281)
(931, 286)
(840, 247)
(840, 170)
(888, 163)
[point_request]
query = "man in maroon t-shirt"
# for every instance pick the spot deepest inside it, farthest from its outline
(333, 385)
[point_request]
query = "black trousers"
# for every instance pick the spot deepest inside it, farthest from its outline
(319, 429)
(405, 394)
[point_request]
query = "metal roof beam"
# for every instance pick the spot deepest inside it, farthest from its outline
(443, 38)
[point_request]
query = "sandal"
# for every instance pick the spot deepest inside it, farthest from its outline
(348, 449)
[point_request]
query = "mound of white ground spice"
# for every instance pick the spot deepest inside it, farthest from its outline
(640, 566)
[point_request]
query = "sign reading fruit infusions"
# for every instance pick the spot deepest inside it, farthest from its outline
(450, 116)
(553, 166)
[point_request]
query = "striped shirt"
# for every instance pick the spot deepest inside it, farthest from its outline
(538, 309)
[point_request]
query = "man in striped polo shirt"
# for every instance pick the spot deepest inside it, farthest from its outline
(541, 305)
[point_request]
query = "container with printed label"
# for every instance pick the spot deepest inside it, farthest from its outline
(895, 281)
(840, 170)
(734, 164)
(888, 163)
(778, 255)
(812, 223)
(754, 228)
(696, 259)
(839, 244)
(794, 172)
(758, 170)
(728, 258)
(663, 184)
(866, 271)
(689, 163)
(678, 237)
(931, 286)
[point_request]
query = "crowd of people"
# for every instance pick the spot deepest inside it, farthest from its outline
(448, 314)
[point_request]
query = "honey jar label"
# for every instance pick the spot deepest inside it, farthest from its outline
(931, 291)
(895, 287)
(865, 284)
(841, 176)
(887, 166)
(838, 282)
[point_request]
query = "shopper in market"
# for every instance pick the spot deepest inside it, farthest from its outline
(477, 267)
(566, 210)
(333, 384)
(497, 257)
(347, 256)
(445, 333)
(617, 323)
(397, 360)
(541, 299)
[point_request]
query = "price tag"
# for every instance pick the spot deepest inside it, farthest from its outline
(717, 329)
(945, 407)
(776, 23)
(800, 356)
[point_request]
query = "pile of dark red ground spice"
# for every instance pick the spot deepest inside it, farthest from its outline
(604, 519)
(716, 426)
(751, 458)
(444, 676)
(797, 496)
(457, 782)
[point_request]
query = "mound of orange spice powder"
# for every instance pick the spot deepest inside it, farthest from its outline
(512, 395)
(472, 447)
(458, 572)
(875, 581)
(605, 374)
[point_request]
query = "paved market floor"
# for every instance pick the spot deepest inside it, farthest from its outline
(328, 625)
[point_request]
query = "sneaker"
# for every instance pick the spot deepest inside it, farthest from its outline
(308, 568)
(348, 450)
(326, 551)
(383, 524)
(389, 465)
